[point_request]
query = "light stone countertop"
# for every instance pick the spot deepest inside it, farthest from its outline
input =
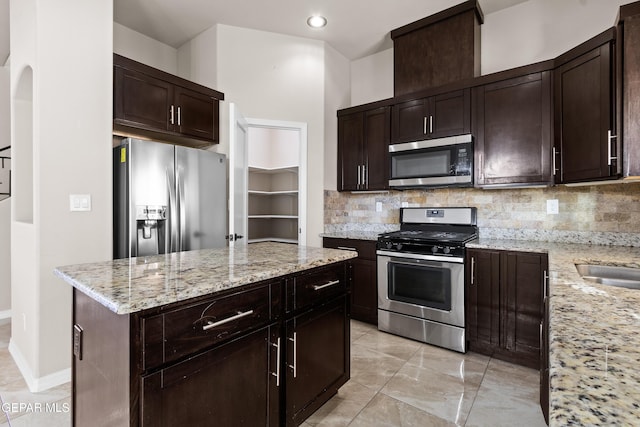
(355, 235)
(136, 284)
(594, 335)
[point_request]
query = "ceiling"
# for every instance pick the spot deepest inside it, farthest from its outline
(355, 28)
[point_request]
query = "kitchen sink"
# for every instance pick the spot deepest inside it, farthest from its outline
(624, 277)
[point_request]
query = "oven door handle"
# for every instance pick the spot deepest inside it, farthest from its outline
(453, 259)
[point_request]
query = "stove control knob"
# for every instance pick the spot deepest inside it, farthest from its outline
(434, 249)
(388, 245)
(398, 246)
(446, 249)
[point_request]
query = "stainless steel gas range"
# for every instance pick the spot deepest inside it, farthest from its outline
(421, 275)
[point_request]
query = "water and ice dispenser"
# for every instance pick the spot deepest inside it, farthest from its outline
(151, 227)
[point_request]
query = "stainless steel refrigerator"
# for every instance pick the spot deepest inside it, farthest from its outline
(167, 198)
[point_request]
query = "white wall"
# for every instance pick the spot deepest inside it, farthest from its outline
(198, 59)
(337, 96)
(277, 77)
(537, 30)
(134, 45)
(273, 148)
(69, 45)
(372, 78)
(5, 205)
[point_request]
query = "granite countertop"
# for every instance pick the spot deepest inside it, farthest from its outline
(136, 284)
(594, 335)
(355, 235)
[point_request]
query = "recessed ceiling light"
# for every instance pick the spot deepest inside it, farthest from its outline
(316, 21)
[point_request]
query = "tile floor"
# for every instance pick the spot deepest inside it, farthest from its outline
(394, 382)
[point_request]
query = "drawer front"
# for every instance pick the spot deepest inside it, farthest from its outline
(181, 332)
(366, 248)
(316, 287)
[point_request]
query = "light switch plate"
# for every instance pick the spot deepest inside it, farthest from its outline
(553, 207)
(378, 206)
(79, 202)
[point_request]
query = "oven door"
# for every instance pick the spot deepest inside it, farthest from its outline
(422, 286)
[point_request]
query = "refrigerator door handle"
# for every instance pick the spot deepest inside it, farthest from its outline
(181, 209)
(172, 225)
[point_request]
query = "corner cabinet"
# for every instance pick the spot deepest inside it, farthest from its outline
(586, 142)
(363, 149)
(437, 116)
(512, 128)
(505, 295)
(158, 105)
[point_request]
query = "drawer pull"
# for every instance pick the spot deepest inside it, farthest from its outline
(294, 367)
(326, 285)
(211, 324)
(346, 248)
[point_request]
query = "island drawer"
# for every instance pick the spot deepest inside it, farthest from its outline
(316, 287)
(366, 248)
(186, 330)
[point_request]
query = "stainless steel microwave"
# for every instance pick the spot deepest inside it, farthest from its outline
(442, 162)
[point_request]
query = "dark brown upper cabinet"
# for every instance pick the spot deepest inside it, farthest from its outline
(512, 129)
(363, 149)
(439, 49)
(628, 64)
(437, 116)
(586, 141)
(151, 103)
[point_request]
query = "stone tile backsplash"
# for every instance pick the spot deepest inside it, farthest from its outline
(601, 214)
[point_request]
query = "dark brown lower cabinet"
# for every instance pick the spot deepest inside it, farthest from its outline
(544, 356)
(204, 390)
(364, 290)
(505, 293)
(318, 357)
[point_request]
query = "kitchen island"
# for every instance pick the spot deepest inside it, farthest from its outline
(593, 335)
(255, 335)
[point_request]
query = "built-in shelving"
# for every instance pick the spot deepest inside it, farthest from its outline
(5, 172)
(273, 194)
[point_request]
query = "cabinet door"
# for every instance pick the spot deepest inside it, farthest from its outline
(196, 114)
(544, 354)
(376, 148)
(350, 140)
(449, 114)
(364, 292)
(409, 121)
(142, 101)
(521, 300)
(229, 385)
(513, 131)
(483, 300)
(584, 106)
(318, 355)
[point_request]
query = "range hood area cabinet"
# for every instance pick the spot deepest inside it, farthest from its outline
(439, 49)
(512, 120)
(363, 148)
(587, 145)
(150, 103)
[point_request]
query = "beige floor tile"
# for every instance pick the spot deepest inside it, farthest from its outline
(445, 396)
(496, 407)
(358, 329)
(9, 373)
(343, 407)
(56, 414)
(391, 345)
(469, 367)
(384, 411)
(371, 368)
(514, 380)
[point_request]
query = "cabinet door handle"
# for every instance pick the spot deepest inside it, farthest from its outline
(171, 115)
(609, 141)
(473, 265)
(424, 126)
(430, 124)
(326, 285)
(555, 154)
(364, 177)
(345, 248)
(179, 116)
(358, 186)
(277, 372)
(240, 315)
(295, 354)
(545, 284)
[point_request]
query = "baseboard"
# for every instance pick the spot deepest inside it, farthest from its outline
(37, 384)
